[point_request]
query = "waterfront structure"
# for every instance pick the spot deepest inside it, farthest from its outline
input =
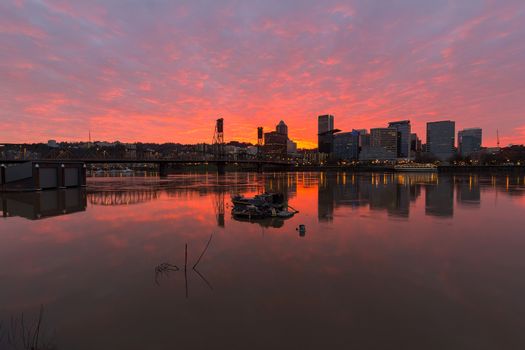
(41, 175)
(403, 143)
(469, 141)
(441, 139)
(346, 145)
(382, 146)
(325, 132)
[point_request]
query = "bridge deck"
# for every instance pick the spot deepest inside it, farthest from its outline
(148, 161)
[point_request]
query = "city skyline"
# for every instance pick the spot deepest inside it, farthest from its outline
(164, 72)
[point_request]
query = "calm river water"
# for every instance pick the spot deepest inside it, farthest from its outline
(388, 261)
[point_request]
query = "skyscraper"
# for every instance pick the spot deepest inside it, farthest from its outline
(346, 145)
(383, 145)
(276, 142)
(403, 146)
(415, 144)
(325, 123)
(441, 139)
(325, 138)
(469, 141)
(282, 128)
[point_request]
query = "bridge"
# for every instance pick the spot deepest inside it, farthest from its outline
(163, 164)
(62, 168)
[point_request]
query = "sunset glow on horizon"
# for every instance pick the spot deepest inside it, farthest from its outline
(163, 71)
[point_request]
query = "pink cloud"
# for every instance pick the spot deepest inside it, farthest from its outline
(131, 78)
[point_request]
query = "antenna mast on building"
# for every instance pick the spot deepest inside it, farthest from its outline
(497, 136)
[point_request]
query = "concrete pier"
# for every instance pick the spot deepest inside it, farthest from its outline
(41, 175)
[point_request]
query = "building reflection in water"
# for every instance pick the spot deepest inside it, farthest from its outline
(468, 191)
(393, 193)
(439, 198)
(43, 204)
(390, 192)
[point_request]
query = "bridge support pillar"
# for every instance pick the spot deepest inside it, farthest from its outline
(83, 175)
(260, 167)
(163, 169)
(2, 177)
(221, 168)
(61, 173)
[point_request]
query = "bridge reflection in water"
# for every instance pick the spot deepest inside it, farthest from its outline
(43, 204)
(393, 193)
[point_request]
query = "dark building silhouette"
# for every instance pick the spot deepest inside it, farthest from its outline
(382, 146)
(325, 133)
(415, 144)
(469, 141)
(441, 139)
(346, 145)
(276, 142)
(404, 137)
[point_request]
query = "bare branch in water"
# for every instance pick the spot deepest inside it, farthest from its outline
(37, 331)
(203, 278)
(23, 334)
(203, 252)
(185, 271)
(164, 269)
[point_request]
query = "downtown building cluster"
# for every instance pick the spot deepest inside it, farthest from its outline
(396, 142)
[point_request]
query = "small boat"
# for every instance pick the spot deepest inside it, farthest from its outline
(261, 206)
(274, 200)
(285, 214)
(248, 212)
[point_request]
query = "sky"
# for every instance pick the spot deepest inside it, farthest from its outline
(164, 70)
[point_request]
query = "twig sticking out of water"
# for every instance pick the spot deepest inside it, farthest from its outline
(203, 252)
(198, 261)
(37, 331)
(185, 270)
(25, 336)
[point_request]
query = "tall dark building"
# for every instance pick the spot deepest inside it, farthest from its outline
(441, 139)
(276, 142)
(282, 128)
(325, 123)
(325, 129)
(469, 141)
(346, 145)
(403, 145)
(415, 144)
(383, 145)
